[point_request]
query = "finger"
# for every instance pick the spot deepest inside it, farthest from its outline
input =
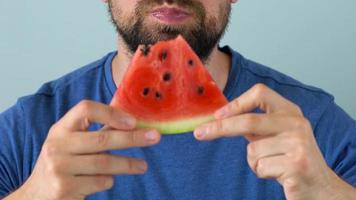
(268, 147)
(87, 185)
(259, 96)
(249, 125)
(282, 168)
(86, 112)
(271, 167)
(253, 137)
(100, 141)
(104, 164)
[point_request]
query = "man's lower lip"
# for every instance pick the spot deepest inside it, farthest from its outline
(170, 16)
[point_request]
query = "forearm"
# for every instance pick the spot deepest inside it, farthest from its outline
(338, 189)
(17, 195)
(22, 192)
(13, 196)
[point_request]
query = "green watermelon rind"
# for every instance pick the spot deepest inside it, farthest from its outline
(176, 127)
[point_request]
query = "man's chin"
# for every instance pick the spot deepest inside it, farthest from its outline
(166, 36)
(165, 33)
(159, 27)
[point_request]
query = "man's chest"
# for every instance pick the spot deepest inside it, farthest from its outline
(182, 168)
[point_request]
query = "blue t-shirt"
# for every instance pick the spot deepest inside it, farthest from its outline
(180, 167)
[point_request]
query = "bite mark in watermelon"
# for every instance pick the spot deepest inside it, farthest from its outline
(167, 87)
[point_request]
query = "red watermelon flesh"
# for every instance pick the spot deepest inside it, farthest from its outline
(167, 87)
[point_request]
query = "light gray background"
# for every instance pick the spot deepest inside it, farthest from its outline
(313, 41)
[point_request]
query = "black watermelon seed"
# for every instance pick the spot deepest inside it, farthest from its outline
(145, 49)
(158, 95)
(163, 55)
(191, 62)
(146, 91)
(200, 90)
(167, 76)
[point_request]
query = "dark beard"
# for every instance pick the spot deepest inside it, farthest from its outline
(202, 37)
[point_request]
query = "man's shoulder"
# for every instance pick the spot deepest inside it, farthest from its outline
(280, 80)
(61, 94)
(312, 100)
(82, 74)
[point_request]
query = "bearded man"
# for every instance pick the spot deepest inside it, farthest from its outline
(276, 139)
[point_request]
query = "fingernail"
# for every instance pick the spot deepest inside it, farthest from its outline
(202, 131)
(142, 166)
(151, 136)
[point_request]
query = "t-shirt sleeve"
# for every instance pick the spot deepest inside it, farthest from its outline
(346, 168)
(336, 136)
(12, 133)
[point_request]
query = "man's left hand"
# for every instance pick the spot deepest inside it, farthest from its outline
(282, 145)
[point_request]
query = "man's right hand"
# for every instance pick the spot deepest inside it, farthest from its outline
(73, 163)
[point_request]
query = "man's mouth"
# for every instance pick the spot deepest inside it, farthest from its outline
(170, 15)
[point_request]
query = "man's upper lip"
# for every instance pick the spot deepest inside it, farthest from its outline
(170, 10)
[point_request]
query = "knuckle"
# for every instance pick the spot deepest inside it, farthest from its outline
(234, 104)
(251, 156)
(296, 140)
(102, 139)
(130, 165)
(102, 162)
(299, 143)
(251, 149)
(261, 169)
(260, 87)
(134, 138)
(298, 110)
(109, 183)
(103, 182)
(300, 148)
(54, 167)
(84, 107)
(291, 185)
(51, 159)
(250, 122)
(251, 162)
(59, 188)
(301, 123)
(111, 113)
(218, 127)
(301, 164)
(53, 128)
(260, 90)
(49, 150)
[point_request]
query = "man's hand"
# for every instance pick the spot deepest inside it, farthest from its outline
(282, 144)
(72, 163)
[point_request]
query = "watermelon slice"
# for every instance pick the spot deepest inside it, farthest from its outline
(167, 87)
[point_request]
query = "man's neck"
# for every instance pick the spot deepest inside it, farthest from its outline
(218, 65)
